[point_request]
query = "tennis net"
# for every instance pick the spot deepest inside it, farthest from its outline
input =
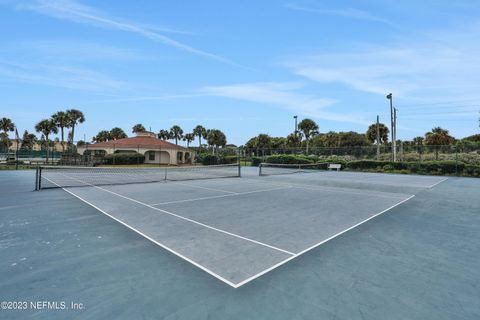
(63, 176)
(267, 169)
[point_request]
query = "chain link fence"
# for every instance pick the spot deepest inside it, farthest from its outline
(142, 155)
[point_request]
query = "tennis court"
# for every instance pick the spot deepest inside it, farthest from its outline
(234, 228)
(244, 247)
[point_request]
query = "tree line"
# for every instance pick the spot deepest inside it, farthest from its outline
(308, 135)
(59, 121)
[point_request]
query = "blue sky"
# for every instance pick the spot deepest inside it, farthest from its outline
(245, 67)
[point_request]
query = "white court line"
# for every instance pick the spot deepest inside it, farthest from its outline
(186, 219)
(316, 245)
(220, 196)
(239, 284)
(200, 187)
(151, 239)
(437, 183)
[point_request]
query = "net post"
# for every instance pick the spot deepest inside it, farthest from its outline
(39, 178)
(260, 169)
(239, 168)
(36, 177)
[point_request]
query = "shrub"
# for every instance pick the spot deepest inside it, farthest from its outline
(471, 171)
(289, 159)
(425, 167)
(256, 161)
(230, 159)
(388, 167)
(124, 158)
(209, 159)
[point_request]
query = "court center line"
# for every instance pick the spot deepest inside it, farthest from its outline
(187, 219)
(239, 284)
(437, 183)
(220, 196)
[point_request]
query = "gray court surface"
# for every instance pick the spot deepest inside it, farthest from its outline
(325, 245)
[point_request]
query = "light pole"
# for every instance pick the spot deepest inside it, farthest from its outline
(296, 126)
(392, 126)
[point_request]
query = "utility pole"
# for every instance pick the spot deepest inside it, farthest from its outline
(392, 126)
(296, 127)
(378, 138)
(395, 133)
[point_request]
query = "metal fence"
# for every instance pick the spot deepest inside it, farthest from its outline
(469, 154)
(465, 153)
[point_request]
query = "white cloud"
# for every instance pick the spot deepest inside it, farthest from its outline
(284, 95)
(74, 11)
(439, 66)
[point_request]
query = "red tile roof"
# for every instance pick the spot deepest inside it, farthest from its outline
(137, 142)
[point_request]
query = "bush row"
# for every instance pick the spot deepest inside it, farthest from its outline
(295, 159)
(425, 167)
(448, 167)
(209, 159)
(124, 158)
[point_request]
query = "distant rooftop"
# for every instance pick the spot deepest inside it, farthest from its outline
(144, 139)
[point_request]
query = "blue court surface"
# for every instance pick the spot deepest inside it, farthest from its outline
(317, 245)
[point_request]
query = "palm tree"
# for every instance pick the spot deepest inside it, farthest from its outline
(76, 117)
(62, 121)
(102, 136)
(216, 138)
(117, 133)
(189, 137)
(199, 131)
(293, 140)
(46, 127)
(372, 133)
(138, 128)
(309, 129)
(6, 125)
(164, 134)
(438, 137)
(176, 133)
(418, 141)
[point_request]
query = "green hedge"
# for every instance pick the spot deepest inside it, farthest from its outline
(471, 170)
(425, 167)
(124, 158)
(256, 161)
(289, 159)
(446, 167)
(210, 159)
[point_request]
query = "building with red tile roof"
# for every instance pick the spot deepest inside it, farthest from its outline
(156, 151)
